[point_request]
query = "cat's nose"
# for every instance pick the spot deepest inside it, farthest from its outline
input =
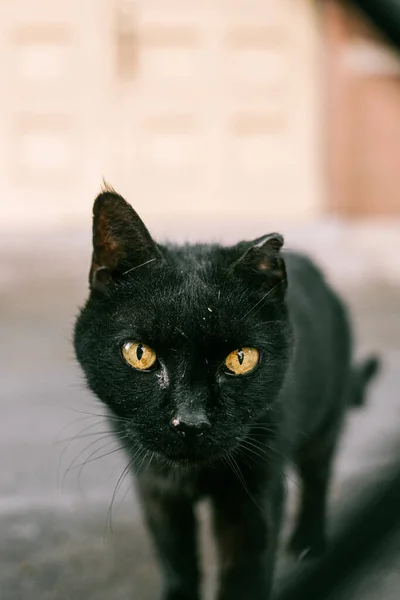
(191, 426)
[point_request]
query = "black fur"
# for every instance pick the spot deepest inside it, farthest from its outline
(194, 305)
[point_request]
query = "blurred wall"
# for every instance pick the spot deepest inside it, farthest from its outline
(364, 116)
(186, 106)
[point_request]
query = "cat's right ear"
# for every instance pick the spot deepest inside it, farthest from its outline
(121, 241)
(263, 266)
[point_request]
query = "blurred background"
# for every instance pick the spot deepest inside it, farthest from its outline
(218, 120)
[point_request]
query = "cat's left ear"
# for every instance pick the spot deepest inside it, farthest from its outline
(262, 264)
(121, 241)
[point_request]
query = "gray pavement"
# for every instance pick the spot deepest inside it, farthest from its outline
(54, 543)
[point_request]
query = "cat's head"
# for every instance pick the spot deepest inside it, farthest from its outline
(187, 346)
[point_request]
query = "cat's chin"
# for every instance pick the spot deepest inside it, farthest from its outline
(187, 462)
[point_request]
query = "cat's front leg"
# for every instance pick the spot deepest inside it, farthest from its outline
(172, 524)
(246, 535)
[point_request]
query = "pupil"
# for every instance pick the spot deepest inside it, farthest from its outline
(139, 352)
(240, 356)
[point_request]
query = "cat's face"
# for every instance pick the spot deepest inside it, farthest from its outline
(187, 346)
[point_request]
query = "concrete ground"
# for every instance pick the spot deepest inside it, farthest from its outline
(55, 541)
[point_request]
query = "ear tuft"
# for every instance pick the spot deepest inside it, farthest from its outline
(107, 187)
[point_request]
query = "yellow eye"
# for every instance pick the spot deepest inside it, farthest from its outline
(138, 355)
(242, 361)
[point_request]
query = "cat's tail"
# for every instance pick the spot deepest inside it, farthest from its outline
(361, 376)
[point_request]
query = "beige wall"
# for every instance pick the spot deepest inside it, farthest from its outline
(364, 124)
(202, 107)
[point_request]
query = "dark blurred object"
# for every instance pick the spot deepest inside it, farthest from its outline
(385, 14)
(360, 548)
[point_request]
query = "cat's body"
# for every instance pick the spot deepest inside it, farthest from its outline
(196, 426)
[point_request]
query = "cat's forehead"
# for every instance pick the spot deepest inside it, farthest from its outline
(197, 288)
(201, 301)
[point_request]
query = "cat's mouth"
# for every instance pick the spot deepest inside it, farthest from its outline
(205, 450)
(197, 455)
(190, 455)
(189, 462)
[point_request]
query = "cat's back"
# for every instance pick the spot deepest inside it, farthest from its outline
(322, 339)
(310, 298)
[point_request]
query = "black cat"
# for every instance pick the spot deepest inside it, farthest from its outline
(217, 364)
